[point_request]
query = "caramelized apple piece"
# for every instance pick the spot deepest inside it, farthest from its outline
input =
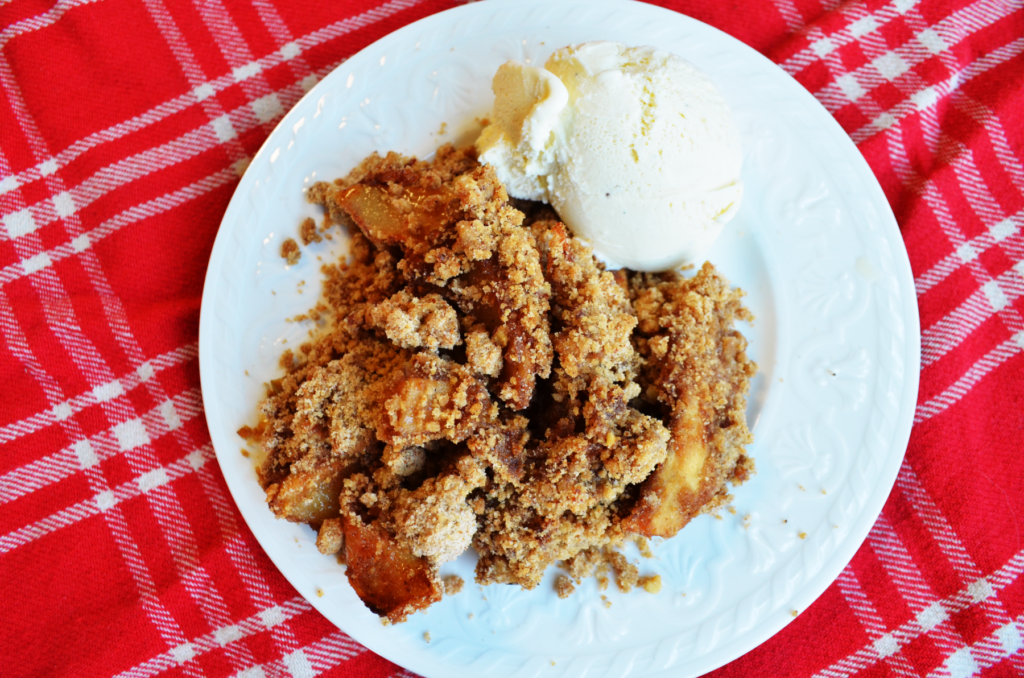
(308, 496)
(406, 220)
(518, 376)
(678, 489)
(430, 399)
(372, 210)
(385, 574)
(697, 368)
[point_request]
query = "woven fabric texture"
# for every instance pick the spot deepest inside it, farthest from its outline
(124, 127)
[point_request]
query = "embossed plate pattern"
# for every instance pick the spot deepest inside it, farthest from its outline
(815, 246)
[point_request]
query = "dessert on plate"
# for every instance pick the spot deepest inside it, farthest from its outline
(483, 381)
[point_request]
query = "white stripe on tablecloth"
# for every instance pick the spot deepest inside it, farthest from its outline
(267, 618)
(935, 201)
(147, 370)
(882, 642)
(920, 625)
(230, 41)
(926, 98)
(86, 452)
(953, 549)
(787, 9)
(996, 295)
(34, 23)
(207, 89)
(84, 241)
(106, 499)
(907, 480)
(962, 386)
(313, 659)
(1003, 643)
(910, 582)
(162, 620)
(161, 497)
(942, 339)
(875, 49)
(858, 13)
(1009, 228)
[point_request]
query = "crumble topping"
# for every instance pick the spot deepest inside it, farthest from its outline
(308, 232)
(290, 251)
(454, 584)
(564, 586)
(483, 381)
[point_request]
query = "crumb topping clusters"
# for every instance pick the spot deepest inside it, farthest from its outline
(483, 381)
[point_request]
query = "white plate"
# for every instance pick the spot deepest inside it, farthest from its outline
(837, 337)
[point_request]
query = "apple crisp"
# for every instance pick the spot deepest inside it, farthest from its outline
(483, 381)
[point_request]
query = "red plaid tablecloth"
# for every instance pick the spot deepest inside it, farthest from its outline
(124, 125)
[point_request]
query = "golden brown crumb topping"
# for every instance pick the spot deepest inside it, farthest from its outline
(650, 584)
(453, 584)
(564, 586)
(290, 251)
(307, 231)
(484, 381)
(330, 537)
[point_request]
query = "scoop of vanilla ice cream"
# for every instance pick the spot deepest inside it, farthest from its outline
(634, 147)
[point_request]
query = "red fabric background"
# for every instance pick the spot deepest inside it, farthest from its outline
(120, 548)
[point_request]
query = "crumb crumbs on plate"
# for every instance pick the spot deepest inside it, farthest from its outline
(564, 586)
(308, 232)
(290, 251)
(453, 584)
(651, 584)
